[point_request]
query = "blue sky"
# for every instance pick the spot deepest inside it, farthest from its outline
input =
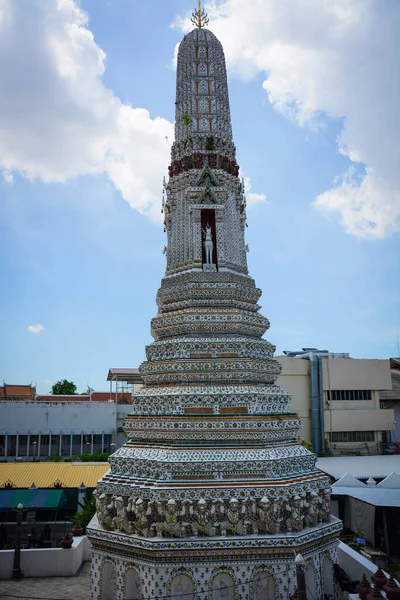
(87, 99)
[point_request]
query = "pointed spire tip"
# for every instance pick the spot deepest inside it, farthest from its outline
(199, 17)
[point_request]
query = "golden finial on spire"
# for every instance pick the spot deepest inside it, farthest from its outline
(199, 17)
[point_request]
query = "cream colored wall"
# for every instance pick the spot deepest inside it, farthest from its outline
(339, 374)
(295, 379)
(352, 419)
(356, 374)
(357, 415)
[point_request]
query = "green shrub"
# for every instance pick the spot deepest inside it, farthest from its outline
(92, 457)
(84, 517)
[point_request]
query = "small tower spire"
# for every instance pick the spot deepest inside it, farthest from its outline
(199, 17)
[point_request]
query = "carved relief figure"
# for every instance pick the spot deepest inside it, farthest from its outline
(325, 506)
(276, 516)
(295, 520)
(182, 588)
(223, 587)
(235, 514)
(202, 519)
(208, 244)
(141, 524)
(104, 511)
(264, 514)
(121, 521)
(218, 513)
(311, 505)
(264, 587)
(170, 515)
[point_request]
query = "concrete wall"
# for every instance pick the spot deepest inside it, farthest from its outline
(295, 379)
(122, 411)
(47, 562)
(356, 374)
(395, 406)
(354, 564)
(57, 417)
(357, 419)
(33, 420)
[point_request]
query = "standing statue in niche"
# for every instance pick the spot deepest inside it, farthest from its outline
(208, 244)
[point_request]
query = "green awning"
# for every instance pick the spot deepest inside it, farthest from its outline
(32, 499)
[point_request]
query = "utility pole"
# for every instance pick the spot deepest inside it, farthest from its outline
(17, 573)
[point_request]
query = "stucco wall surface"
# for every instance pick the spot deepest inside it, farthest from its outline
(47, 562)
(57, 417)
(356, 374)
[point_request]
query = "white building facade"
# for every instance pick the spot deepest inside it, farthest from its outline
(37, 429)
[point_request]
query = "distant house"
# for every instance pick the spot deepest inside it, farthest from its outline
(17, 392)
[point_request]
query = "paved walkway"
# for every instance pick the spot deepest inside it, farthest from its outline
(49, 588)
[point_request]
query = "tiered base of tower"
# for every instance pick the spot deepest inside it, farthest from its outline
(211, 496)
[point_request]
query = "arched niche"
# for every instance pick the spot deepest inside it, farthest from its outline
(182, 587)
(107, 581)
(311, 582)
(132, 586)
(327, 576)
(223, 587)
(263, 586)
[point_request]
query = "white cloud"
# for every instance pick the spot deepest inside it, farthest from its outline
(58, 120)
(336, 58)
(35, 328)
(47, 381)
(8, 177)
(251, 197)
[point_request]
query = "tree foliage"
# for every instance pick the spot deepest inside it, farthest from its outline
(87, 513)
(63, 387)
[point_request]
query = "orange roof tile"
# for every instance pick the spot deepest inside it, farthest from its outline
(51, 474)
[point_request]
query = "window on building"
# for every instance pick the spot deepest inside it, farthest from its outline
(76, 444)
(353, 436)
(22, 445)
(65, 445)
(97, 443)
(55, 444)
(349, 395)
(44, 445)
(107, 442)
(2, 444)
(12, 445)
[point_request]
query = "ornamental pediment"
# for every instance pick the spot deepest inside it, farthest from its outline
(212, 206)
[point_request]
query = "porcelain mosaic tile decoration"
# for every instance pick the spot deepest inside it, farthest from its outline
(211, 497)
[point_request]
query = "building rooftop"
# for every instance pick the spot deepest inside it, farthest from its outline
(51, 474)
(122, 397)
(10, 392)
(386, 493)
(129, 375)
(361, 467)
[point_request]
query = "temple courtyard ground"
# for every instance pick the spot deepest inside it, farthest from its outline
(49, 588)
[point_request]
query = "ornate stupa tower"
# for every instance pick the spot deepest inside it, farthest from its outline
(211, 497)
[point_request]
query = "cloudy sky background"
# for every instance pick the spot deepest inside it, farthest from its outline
(86, 105)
